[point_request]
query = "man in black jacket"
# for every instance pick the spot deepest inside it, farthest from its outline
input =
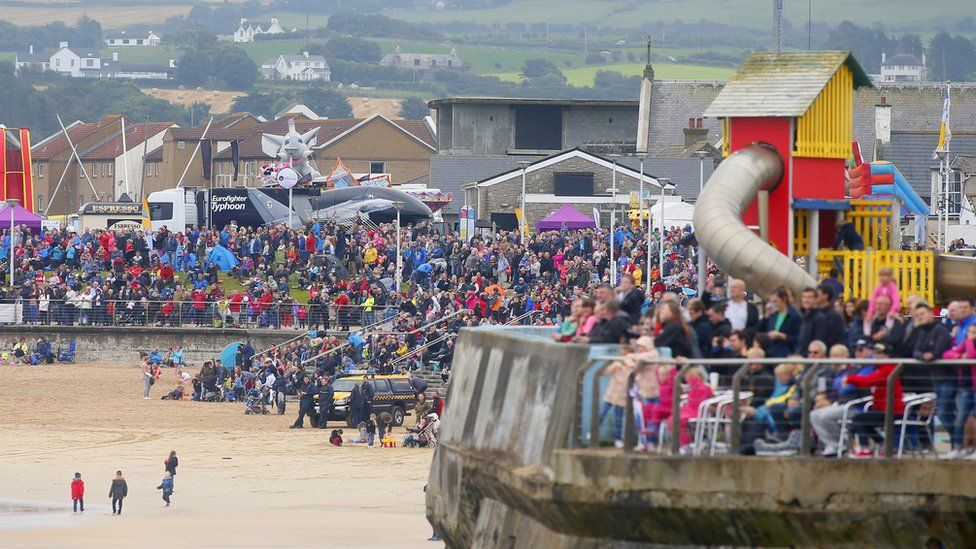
(821, 322)
(368, 393)
(931, 341)
(326, 397)
(613, 326)
(631, 298)
(306, 402)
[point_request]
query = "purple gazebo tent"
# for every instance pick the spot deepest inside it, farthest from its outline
(566, 216)
(21, 217)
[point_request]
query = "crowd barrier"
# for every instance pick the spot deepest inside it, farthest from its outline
(208, 314)
(718, 420)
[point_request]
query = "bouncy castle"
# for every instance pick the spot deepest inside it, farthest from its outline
(16, 180)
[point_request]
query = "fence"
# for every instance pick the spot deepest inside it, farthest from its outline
(718, 420)
(872, 220)
(914, 272)
(190, 313)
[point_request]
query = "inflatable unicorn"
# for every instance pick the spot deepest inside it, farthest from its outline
(293, 150)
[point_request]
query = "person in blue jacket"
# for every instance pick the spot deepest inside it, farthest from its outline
(782, 326)
(166, 487)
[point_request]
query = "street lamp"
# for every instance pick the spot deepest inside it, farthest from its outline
(702, 260)
(397, 278)
(523, 164)
(942, 201)
(660, 258)
(11, 203)
(640, 210)
(613, 220)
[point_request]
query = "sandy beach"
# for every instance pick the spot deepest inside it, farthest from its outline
(243, 481)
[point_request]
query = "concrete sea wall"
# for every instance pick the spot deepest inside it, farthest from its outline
(504, 475)
(115, 343)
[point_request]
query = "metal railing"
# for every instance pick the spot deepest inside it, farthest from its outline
(364, 333)
(170, 313)
(590, 434)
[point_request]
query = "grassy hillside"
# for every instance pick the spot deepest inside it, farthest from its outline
(894, 14)
(664, 71)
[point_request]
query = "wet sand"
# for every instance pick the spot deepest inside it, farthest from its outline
(243, 481)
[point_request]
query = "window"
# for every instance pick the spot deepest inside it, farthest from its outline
(538, 127)
(416, 62)
(572, 184)
(40, 201)
(156, 168)
(39, 171)
(160, 211)
(72, 62)
(380, 385)
(94, 170)
(181, 144)
(401, 385)
(148, 169)
(57, 62)
(111, 169)
(377, 166)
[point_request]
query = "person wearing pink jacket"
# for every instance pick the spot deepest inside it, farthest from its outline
(965, 392)
(886, 287)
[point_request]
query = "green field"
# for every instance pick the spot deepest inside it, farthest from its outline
(8, 56)
(743, 13)
(663, 71)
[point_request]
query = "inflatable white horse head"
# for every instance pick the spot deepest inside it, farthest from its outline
(293, 149)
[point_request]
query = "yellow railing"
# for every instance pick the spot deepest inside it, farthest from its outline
(801, 232)
(914, 271)
(872, 220)
(824, 131)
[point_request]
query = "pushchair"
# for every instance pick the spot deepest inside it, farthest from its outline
(67, 355)
(256, 402)
(423, 435)
(211, 392)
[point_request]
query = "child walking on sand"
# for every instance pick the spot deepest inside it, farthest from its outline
(78, 493)
(118, 491)
(166, 487)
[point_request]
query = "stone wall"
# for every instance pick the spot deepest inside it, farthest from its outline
(113, 343)
(503, 475)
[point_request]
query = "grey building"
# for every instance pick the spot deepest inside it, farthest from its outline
(490, 126)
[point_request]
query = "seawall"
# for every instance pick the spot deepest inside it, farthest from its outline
(118, 343)
(504, 475)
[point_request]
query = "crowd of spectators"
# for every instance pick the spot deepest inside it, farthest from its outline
(723, 323)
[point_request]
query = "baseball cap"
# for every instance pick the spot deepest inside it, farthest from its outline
(861, 343)
(882, 348)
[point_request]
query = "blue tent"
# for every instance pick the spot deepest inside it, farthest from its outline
(228, 357)
(223, 258)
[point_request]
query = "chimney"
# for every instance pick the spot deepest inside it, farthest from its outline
(305, 53)
(882, 121)
(694, 133)
(115, 56)
(883, 57)
(243, 20)
(62, 45)
(32, 48)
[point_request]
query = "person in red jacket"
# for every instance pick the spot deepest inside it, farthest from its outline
(78, 493)
(865, 425)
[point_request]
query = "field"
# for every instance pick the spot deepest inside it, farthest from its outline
(243, 481)
(743, 13)
(220, 102)
(662, 71)
(110, 17)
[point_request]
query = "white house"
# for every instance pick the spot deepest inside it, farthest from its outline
(902, 67)
(247, 30)
(30, 60)
(297, 67)
(68, 61)
(124, 69)
(124, 40)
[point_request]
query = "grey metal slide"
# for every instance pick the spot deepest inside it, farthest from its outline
(735, 248)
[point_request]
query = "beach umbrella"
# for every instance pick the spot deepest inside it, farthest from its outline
(228, 357)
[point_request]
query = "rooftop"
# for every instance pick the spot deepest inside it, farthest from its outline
(902, 59)
(437, 103)
(135, 134)
(78, 130)
(782, 84)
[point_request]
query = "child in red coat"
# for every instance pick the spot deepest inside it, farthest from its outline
(78, 493)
